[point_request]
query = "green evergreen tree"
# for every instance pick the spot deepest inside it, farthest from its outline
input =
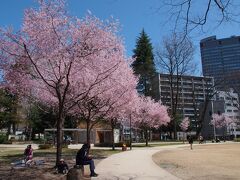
(8, 111)
(144, 66)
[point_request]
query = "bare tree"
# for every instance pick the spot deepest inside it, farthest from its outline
(192, 14)
(175, 58)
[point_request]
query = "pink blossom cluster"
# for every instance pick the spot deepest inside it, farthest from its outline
(221, 121)
(148, 113)
(184, 125)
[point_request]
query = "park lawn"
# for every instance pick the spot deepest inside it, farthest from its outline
(8, 155)
(46, 171)
(216, 161)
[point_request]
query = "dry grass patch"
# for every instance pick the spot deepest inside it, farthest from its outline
(204, 162)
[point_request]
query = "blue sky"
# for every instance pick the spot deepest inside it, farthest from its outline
(134, 15)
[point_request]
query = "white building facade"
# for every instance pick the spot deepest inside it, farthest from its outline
(231, 107)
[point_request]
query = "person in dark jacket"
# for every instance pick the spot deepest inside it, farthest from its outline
(62, 167)
(83, 158)
(190, 140)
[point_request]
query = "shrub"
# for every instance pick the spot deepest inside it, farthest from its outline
(38, 141)
(64, 146)
(120, 144)
(45, 146)
(237, 139)
(3, 138)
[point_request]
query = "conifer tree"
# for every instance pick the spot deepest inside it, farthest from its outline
(143, 66)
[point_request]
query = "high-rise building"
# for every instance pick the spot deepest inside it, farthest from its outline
(221, 60)
(192, 92)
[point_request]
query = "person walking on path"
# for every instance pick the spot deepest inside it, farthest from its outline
(83, 158)
(190, 140)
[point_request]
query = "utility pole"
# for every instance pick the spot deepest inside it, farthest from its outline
(130, 132)
(214, 125)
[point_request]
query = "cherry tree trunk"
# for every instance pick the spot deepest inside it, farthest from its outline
(88, 132)
(60, 121)
(130, 132)
(146, 136)
(175, 128)
(112, 127)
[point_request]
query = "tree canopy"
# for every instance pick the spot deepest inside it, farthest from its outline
(143, 66)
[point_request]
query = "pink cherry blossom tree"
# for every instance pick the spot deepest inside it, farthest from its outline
(110, 97)
(221, 121)
(61, 60)
(117, 111)
(184, 125)
(123, 101)
(150, 114)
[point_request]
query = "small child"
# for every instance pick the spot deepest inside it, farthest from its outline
(62, 167)
(28, 153)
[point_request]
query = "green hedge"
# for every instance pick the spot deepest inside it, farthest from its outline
(120, 144)
(45, 146)
(64, 146)
(49, 146)
(3, 138)
(237, 139)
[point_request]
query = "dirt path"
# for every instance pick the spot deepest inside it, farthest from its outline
(204, 162)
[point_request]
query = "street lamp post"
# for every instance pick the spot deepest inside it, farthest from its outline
(214, 130)
(130, 132)
(214, 125)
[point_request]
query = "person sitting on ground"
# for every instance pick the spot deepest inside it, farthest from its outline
(217, 140)
(62, 167)
(200, 140)
(28, 153)
(190, 140)
(83, 158)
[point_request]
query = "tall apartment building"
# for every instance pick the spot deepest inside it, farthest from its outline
(221, 60)
(192, 92)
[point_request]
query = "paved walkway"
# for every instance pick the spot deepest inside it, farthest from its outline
(134, 165)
